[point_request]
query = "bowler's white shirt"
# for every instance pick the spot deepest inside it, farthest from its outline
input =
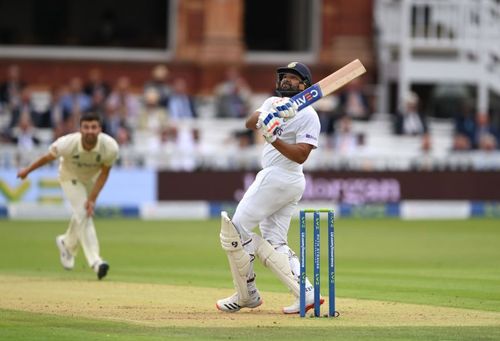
(305, 127)
(80, 164)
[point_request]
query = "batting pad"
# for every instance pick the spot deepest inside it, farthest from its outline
(239, 259)
(277, 262)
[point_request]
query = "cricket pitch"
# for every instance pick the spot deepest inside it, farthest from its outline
(169, 305)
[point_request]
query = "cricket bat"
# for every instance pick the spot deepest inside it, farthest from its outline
(329, 84)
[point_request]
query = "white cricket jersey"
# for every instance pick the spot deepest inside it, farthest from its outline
(77, 163)
(303, 128)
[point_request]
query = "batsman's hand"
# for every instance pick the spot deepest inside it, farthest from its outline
(267, 123)
(285, 107)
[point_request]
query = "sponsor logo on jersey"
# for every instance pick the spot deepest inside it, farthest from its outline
(86, 165)
(309, 136)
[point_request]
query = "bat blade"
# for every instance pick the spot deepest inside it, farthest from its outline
(329, 84)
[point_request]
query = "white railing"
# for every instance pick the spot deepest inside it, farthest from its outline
(382, 151)
(441, 23)
(464, 32)
(224, 159)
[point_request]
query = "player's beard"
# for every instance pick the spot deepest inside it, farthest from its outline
(286, 89)
(90, 140)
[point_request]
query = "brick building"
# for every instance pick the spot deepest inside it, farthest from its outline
(204, 37)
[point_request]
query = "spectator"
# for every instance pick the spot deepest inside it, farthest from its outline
(328, 114)
(58, 117)
(245, 138)
(232, 96)
(159, 82)
(495, 123)
(98, 103)
(95, 84)
(346, 141)
(124, 135)
(188, 150)
(465, 126)
(487, 156)
(353, 101)
(11, 88)
(426, 146)
(181, 104)
(23, 135)
(23, 108)
(461, 143)
(240, 151)
(26, 108)
(165, 150)
(157, 148)
(74, 103)
(122, 108)
(426, 160)
(409, 120)
(485, 135)
(113, 124)
(152, 116)
(487, 142)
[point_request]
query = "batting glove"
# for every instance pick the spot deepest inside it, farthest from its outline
(285, 107)
(267, 124)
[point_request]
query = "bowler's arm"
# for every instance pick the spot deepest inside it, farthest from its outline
(43, 160)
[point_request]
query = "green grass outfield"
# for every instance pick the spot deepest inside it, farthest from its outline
(451, 266)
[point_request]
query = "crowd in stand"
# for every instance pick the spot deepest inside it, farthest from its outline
(156, 113)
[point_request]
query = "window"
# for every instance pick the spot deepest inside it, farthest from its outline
(93, 24)
(281, 28)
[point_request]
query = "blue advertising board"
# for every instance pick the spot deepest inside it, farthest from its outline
(125, 187)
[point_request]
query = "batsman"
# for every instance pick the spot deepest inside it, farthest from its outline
(271, 200)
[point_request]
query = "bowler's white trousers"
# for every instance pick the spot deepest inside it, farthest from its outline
(81, 226)
(270, 202)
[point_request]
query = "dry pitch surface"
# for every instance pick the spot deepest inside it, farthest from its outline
(168, 305)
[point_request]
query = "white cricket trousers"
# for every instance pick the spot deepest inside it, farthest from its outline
(270, 202)
(81, 226)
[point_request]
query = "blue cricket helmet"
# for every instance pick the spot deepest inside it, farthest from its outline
(295, 68)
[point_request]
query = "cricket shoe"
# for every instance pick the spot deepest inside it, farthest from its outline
(102, 270)
(67, 259)
(231, 305)
(295, 307)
